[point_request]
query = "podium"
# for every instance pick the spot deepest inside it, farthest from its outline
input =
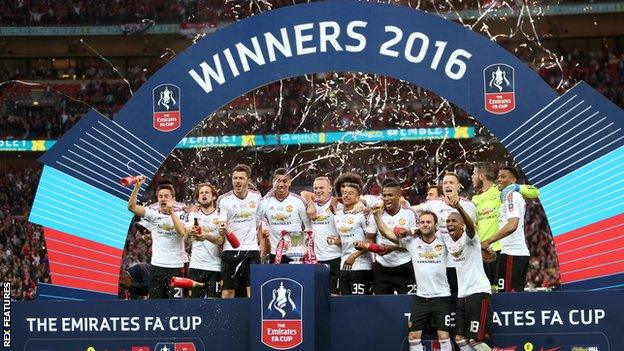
(290, 307)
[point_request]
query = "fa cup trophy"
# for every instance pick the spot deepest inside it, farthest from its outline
(297, 245)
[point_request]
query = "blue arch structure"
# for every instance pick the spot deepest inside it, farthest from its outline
(570, 145)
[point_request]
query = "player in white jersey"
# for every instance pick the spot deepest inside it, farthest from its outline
(237, 215)
(202, 228)
(393, 271)
(356, 273)
(514, 261)
(450, 187)
(322, 223)
(283, 211)
(433, 295)
(473, 317)
(167, 238)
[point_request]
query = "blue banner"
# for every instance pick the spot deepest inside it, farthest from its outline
(387, 135)
(561, 321)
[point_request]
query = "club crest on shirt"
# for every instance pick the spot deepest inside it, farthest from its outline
(252, 204)
(215, 220)
(402, 221)
(289, 208)
(438, 247)
(350, 220)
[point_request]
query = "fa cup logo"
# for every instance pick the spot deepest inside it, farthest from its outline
(282, 311)
(281, 299)
(166, 97)
(166, 100)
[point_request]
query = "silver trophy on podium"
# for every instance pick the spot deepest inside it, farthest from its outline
(297, 245)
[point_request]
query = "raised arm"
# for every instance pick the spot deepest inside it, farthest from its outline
(177, 223)
(382, 227)
(132, 205)
(470, 226)
(529, 191)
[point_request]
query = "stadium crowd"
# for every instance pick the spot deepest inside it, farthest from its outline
(89, 12)
(23, 260)
(320, 102)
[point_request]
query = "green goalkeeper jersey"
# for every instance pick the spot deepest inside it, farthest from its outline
(488, 205)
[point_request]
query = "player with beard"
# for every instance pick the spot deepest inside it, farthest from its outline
(205, 266)
(356, 274)
(283, 211)
(451, 187)
(488, 204)
(473, 317)
(237, 215)
(393, 271)
(434, 192)
(428, 252)
(167, 238)
(514, 261)
(322, 223)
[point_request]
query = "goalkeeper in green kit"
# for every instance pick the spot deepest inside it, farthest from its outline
(487, 201)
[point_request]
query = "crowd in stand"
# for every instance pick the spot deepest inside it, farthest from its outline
(319, 102)
(23, 257)
(89, 12)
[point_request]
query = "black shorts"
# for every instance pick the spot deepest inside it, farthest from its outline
(285, 259)
(235, 268)
(512, 272)
(159, 283)
(451, 276)
(491, 269)
(399, 279)
(211, 280)
(355, 282)
(334, 273)
(473, 318)
(434, 312)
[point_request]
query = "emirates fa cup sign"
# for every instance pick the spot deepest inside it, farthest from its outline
(282, 310)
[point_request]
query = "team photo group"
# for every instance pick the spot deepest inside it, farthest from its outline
(373, 244)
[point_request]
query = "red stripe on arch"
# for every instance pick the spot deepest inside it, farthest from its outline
(80, 263)
(591, 251)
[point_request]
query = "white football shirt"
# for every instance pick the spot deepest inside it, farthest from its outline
(288, 214)
(352, 227)
(205, 255)
(442, 210)
(466, 253)
(323, 226)
(404, 218)
(513, 206)
(429, 262)
(240, 215)
(167, 244)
